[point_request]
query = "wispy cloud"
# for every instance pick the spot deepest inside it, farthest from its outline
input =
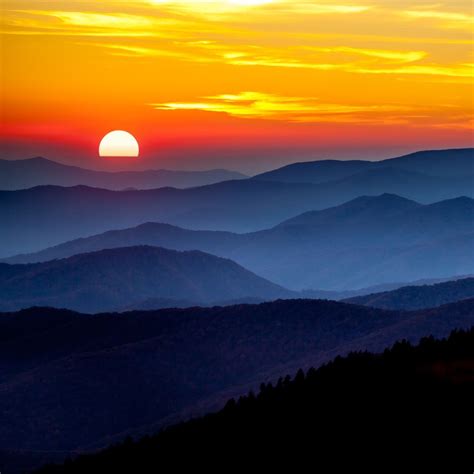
(391, 55)
(447, 19)
(223, 7)
(257, 105)
(144, 52)
(377, 61)
(101, 20)
(455, 70)
(311, 110)
(86, 23)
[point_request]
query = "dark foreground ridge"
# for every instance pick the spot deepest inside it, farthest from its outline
(409, 404)
(89, 381)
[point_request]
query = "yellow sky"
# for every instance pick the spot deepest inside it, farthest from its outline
(237, 68)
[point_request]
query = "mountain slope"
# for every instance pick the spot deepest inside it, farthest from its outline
(150, 233)
(113, 279)
(419, 297)
(360, 210)
(314, 171)
(362, 404)
(89, 380)
(23, 174)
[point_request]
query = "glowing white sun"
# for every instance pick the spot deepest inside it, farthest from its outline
(119, 143)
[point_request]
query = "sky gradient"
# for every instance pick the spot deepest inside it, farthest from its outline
(246, 85)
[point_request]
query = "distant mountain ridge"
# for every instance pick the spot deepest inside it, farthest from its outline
(31, 172)
(30, 217)
(419, 297)
(435, 163)
(364, 242)
(37, 171)
(111, 279)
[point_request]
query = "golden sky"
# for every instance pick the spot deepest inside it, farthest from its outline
(236, 78)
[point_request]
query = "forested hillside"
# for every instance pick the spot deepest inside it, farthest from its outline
(365, 410)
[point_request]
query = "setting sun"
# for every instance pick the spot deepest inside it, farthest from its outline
(119, 143)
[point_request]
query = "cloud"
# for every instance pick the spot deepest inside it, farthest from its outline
(311, 110)
(445, 18)
(83, 19)
(379, 61)
(144, 52)
(179, 18)
(85, 23)
(456, 70)
(100, 20)
(224, 7)
(257, 105)
(391, 55)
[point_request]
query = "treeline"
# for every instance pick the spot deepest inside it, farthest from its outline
(409, 406)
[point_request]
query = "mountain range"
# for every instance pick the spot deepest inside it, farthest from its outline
(44, 216)
(89, 380)
(116, 278)
(237, 265)
(364, 242)
(28, 173)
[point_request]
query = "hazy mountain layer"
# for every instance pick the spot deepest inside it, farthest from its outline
(365, 242)
(23, 174)
(44, 216)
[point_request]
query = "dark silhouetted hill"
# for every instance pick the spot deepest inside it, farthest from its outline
(116, 278)
(419, 297)
(23, 174)
(407, 406)
(89, 380)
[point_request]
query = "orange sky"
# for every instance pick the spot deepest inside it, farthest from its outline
(244, 84)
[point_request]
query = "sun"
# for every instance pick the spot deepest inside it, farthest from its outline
(119, 143)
